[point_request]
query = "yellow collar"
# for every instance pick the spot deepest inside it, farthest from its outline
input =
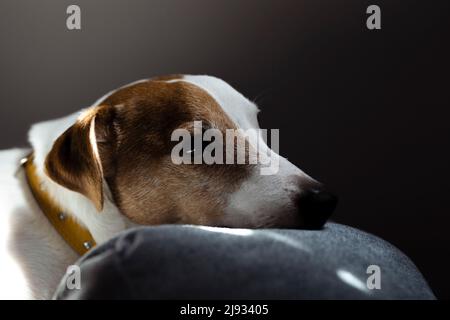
(78, 237)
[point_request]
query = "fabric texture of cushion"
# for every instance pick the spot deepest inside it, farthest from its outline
(192, 262)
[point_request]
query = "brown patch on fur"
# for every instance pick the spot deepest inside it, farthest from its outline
(133, 129)
(146, 185)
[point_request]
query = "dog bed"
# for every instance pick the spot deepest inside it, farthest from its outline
(192, 262)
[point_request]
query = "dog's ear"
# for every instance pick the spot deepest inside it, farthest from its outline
(74, 160)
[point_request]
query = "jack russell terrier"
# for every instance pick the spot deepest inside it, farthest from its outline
(89, 176)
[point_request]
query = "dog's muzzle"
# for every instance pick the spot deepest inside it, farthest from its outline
(315, 207)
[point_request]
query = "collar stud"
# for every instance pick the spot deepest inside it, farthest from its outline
(87, 245)
(23, 161)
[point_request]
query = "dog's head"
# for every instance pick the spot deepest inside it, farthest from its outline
(125, 144)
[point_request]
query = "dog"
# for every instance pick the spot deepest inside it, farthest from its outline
(93, 174)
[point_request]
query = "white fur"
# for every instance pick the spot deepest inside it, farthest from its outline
(33, 257)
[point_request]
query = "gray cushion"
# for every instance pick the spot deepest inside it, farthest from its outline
(189, 262)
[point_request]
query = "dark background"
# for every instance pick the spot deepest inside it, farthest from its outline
(366, 112)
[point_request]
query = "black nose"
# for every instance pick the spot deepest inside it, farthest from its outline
(315, 207)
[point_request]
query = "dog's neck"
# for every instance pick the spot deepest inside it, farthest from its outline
(102, 225)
